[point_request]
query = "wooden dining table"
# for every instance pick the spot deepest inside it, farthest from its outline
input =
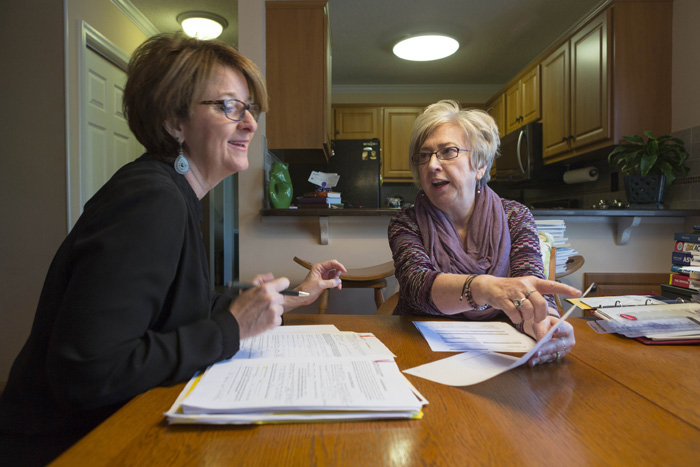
(611, 401)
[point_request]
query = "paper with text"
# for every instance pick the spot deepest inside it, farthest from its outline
(459, 336)
(312, 345)
(240, 386)
(474, 367)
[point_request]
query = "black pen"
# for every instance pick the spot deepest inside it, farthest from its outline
(244, 286)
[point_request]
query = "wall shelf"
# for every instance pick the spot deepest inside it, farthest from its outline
(625, 219)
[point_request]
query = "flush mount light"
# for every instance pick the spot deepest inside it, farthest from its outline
(202, 25)
(425, 48)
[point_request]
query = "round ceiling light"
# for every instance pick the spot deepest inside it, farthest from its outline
(202, 25)
(425, 48)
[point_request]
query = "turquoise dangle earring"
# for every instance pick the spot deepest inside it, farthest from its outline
(182, 166)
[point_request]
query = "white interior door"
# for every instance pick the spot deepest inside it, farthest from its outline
(107, 143)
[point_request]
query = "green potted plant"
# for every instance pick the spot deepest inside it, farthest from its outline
(649, 166)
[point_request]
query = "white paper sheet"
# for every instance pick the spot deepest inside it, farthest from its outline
(473, 367)
(240, 386)
(304, 328)
(312, 345)
(460, 336)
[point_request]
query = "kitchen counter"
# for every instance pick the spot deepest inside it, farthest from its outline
(626, 219)
(535, 212)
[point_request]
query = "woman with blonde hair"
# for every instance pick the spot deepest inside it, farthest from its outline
(461, 250)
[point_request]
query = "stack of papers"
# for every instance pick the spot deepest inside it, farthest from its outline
(300, 374)
(557, 229)
(644, 318)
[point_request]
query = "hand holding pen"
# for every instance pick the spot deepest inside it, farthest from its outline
(233, 286)
(260, 307)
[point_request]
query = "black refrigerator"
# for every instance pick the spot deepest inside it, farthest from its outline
(358, 162)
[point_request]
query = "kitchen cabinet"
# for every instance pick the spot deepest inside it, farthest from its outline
(298, 75)
(522, 100)
(581, 115)
(397, 128)
(393, 127)
(357, 122)
(575, 104)
(497, 109)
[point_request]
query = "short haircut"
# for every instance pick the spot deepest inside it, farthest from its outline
(479, 127)
(166, 78)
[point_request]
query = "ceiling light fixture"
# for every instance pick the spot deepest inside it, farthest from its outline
(425, 48)
(202, 25)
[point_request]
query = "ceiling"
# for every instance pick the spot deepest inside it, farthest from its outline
(498, 37)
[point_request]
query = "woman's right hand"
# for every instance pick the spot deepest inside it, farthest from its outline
(260, 308)
(505, 293)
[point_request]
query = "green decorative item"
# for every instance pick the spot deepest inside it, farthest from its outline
(280, 189)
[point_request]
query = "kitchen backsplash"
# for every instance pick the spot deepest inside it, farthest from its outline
(684, 193)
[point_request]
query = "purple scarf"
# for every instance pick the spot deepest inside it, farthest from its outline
(488, 237)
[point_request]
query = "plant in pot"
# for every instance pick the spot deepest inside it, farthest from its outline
(649, 166)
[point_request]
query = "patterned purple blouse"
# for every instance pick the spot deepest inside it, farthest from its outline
(416, 273)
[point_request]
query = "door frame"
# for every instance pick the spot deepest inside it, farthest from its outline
(89, 40)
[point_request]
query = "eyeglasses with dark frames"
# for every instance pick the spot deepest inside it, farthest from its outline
(443, 154)
(235, 109)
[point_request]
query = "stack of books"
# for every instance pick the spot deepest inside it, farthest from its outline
(557, 229)
(320, 199)
(685, 261)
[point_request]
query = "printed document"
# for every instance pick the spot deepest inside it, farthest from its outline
(459, 336)
(473, 367)
(285, 376)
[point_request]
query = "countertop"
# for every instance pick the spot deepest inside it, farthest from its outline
(536, 212)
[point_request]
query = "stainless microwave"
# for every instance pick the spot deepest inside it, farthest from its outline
(520, 157)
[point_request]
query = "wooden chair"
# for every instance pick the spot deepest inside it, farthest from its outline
(387, 308)
(372, 277)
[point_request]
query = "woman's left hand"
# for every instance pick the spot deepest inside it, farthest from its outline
(322, 276)
(557, 347)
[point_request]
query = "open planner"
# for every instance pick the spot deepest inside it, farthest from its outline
(647, 319)
(296, 374)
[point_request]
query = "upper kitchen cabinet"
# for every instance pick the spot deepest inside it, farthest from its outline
(393, 127)
(610, 79)
(497, 109)
(575, 90)
(298, 74)
(398, 125)
(522, 100)
(357, 122)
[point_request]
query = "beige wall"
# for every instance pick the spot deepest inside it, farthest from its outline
(32, 177)
(33, 183)
(686, 64)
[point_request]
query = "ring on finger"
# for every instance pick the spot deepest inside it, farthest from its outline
(530, 292)
(558, 356)
(518, 302)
